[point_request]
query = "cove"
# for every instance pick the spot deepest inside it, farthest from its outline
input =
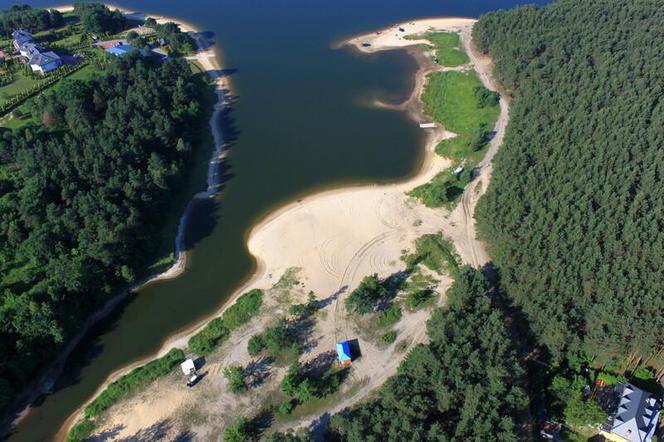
(301, 123)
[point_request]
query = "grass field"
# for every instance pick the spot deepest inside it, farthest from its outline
(459, 102)
(448, 48)
(22, 82)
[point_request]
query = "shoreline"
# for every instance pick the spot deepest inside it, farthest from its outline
(209, 62)
(269, 229)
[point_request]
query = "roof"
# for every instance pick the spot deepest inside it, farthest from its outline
(120, 50)
(188, 366)
(106, 44)
(21, 36)
(43, 58)
(343, 351)
(636, 417)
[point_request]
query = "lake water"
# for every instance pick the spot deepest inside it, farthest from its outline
(300, 123)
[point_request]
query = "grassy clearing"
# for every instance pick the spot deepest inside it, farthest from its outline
(448, 48)
(435, 252)
(460, 102)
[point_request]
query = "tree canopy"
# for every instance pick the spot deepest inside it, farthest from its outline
(461, 386)
(575, 211)
(31, 19)
(99, 19)
(81, 197)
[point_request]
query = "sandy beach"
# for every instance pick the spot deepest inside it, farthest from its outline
(339, 236)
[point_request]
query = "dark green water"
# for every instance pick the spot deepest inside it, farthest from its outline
(299, 125)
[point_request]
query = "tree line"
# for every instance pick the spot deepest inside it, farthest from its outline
(30, 19)
(82, 197)
(575, 211)
(99, 19)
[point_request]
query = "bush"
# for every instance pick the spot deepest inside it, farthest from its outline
(217, 330)
(435, 252)
(205, 341)
(244, 308)
(365, 297)
(286, 407)
(137, 378)
(238, 432)
(279, 340)
(419, 298)
(389, 337)
(389, 316)
(81, 431)
(236, 378)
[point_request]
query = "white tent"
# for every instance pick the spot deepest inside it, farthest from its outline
(188, 366)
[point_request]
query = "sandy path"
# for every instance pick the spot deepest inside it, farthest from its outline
(337, 237)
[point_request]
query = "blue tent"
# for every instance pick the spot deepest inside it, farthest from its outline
(343, 351)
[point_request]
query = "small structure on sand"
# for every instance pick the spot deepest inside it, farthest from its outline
(189, 369)
(344, 353)
(427, 125)
(635, 418)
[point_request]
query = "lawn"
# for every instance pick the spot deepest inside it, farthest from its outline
(22, 82)
(448, 48)
(459, 102)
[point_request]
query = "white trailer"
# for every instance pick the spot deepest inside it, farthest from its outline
(427, 125)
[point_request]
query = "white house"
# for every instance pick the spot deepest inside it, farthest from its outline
(21, 37)
(44, 62)
(40, 60)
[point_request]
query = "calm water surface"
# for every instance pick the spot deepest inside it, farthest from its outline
(299, 125)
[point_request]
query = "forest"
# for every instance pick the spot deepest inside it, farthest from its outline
(574, 215)
(99, 19)
(31, 19)
(461, 386)
(82, 197)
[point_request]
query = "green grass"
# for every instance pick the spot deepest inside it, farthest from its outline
(22, 82)
(218, 330)
(454, 100)
(459, 102)
(137, 378)
(448, 48)
(434, 252)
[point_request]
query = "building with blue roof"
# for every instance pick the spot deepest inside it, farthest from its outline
(344, 353)
(121, 50)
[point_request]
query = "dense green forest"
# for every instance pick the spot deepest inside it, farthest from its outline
(81, 197)
(31, 19)
(99, 19)
(461, 386)
(575, 211)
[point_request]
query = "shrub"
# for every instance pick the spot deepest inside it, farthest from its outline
(236, 378)
(205, 341)
(286, 407)
(81, 431)
(238, 432)
(241, 312)
(137, 378)
(389, 337)
(364, 298)
(217, 330)
(389, 316)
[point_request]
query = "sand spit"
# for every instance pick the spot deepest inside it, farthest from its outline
(336, 238)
